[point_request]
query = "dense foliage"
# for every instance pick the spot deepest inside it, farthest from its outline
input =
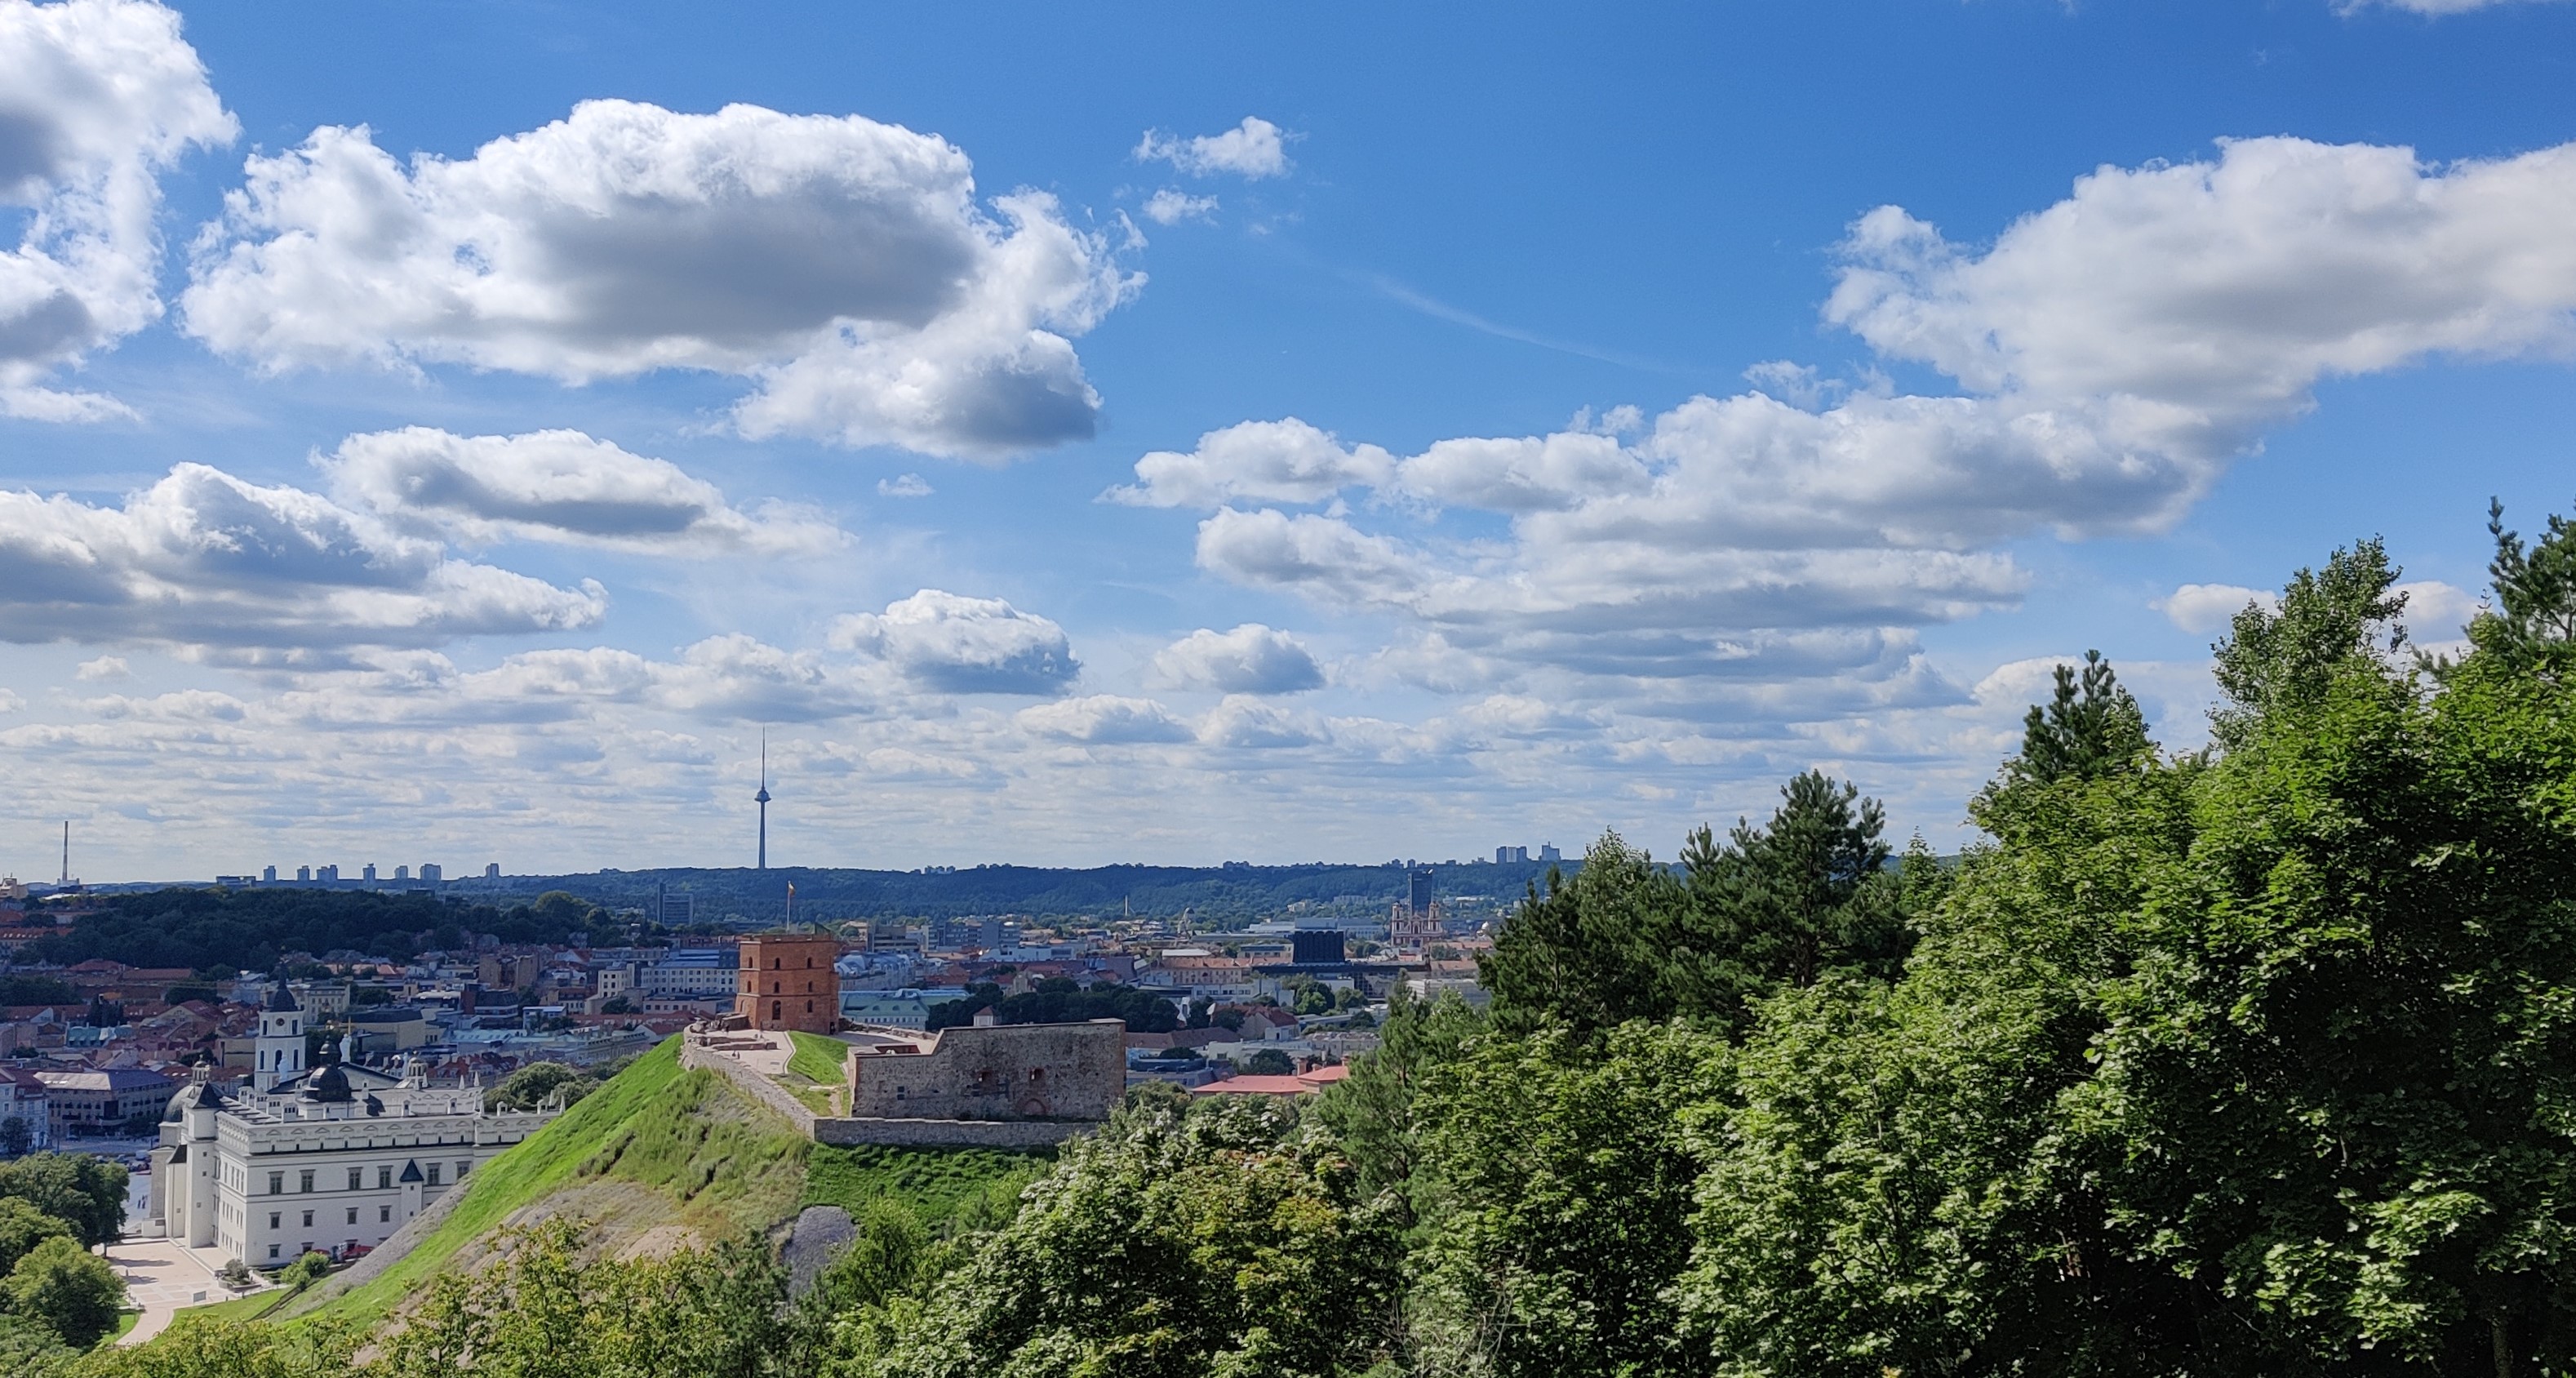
(2251, 1061)
(1057, 1000)
(85, 1192)
(251, 929)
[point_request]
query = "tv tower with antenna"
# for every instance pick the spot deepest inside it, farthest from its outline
(67, 854)
(761, 799)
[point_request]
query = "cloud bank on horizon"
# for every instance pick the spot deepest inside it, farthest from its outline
(1624, 607)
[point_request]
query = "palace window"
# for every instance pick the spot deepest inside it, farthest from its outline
(384, 1179)
(277, 1184)
(432, 1170)
(272, 1220)
(384, 1215)
(305, 1182)
(353, 1215)
(308, 1220)
(357, 1179)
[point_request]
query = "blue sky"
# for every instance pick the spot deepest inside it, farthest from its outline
(453, 433)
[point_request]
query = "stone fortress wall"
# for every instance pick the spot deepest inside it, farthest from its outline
(994, 1072)
(1012, 1086)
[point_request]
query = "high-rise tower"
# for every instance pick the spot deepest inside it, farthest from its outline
(762, 799)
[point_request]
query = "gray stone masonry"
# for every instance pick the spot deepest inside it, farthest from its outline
(935, 1131)
(994, 1072)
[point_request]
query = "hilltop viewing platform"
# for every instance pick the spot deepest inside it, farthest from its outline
(987, 1086)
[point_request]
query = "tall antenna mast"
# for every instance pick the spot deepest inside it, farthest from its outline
(67, 853)
(761, 798)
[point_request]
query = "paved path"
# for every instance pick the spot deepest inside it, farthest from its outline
(163, 1276)
(764, 1052)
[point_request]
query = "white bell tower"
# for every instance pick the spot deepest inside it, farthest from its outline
(278, 1050)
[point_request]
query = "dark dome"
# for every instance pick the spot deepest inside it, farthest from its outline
(330, 1084)
(281, 1001)
(202, 1095)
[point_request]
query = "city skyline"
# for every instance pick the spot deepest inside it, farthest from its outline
(1179, 436)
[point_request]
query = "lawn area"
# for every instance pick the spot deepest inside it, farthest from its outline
(248, 1308)
(954, 1188)
(817, 1071)
(823, 1061)
(720, 1163)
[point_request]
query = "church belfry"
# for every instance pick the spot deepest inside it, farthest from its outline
(278, 1049)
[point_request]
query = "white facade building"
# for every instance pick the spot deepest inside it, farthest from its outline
(332, 1160)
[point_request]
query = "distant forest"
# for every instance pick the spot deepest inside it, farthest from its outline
(1220, 894)
(209, 927)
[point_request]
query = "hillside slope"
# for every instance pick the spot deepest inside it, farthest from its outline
(662, 1158)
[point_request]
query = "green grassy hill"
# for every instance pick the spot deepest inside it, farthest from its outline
(661, 1157)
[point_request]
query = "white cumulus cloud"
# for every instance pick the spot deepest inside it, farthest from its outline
(1264, 461)
(1104, 720)
(1251, 659)
(844, 265)
(1255, 148)
(202, 559)
(2114, 352)
(103, 668)
(97, 99)
(955, 644)
(1170, 207)
(2436, 612)
(904, 486)
(2211, 607)
(1245, 723)
(559, 486)
(2173, 313)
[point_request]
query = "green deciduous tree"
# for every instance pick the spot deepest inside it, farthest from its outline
(23, 1227)
(1554, 1189)
(87, 1192)
(31, 1349)
(1376, 1111)
(2247, 1065)
(1214, 1238)
(71, 1290)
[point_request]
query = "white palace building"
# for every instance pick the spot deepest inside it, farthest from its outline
(333, 1159)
